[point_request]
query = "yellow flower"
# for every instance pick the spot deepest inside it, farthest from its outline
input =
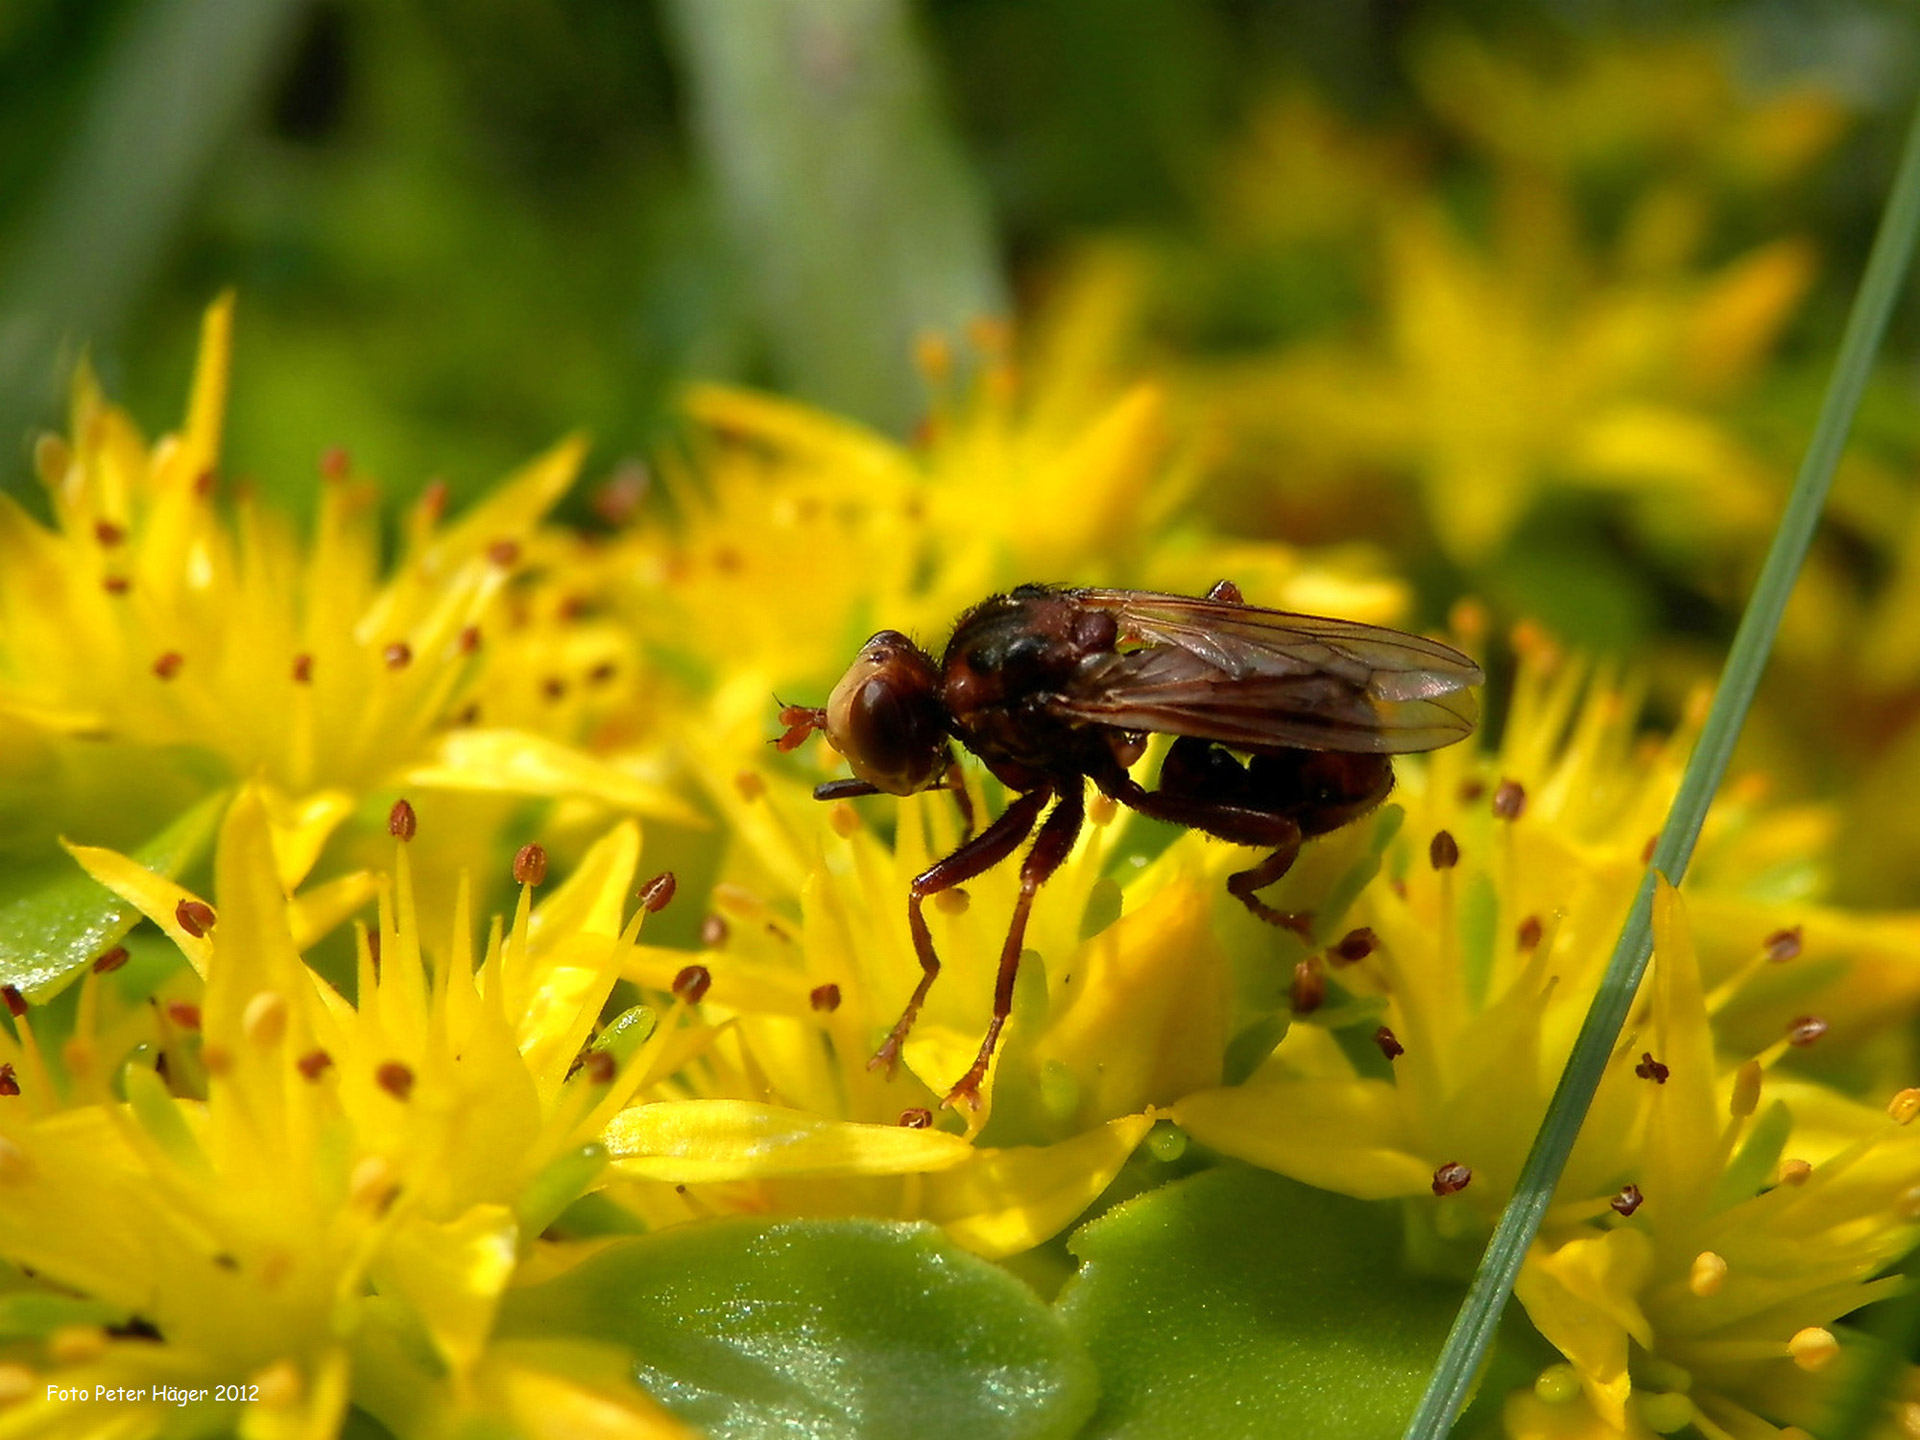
(1757, 1216)
(154, 636)
(318, 1199)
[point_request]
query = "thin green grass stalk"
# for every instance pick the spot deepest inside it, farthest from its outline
(1473, 1328)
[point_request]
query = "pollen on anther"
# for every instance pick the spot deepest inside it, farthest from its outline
(1389, 1043)
(1451, 1178)
(916, 1118)
(168, 665)
(108, 533)
(1509, 800)
(1444, 851)
(1904, 1106)
(1813, 1348)
(1783, 945)
(9, 1083)
(107, 961)
(691, 983)
(750, 785)
(314, 1064)
(398, 655)
(1527, 937)
(395, 1077)
(1707, 1274)
(655, 894)
(1354, 946)
(1651, 1069)
(1308, 990)
(530, 865)
(844, 819)
(1803, 1030)
(16, 1003)
(264, 1020)
(196, 917)
(1628, 1200)
(600, 1067)
(401, 821)
(1793, 1172)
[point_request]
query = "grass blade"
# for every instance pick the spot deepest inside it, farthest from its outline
(1473, 1329)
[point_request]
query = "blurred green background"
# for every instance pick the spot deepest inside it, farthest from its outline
(458, 231)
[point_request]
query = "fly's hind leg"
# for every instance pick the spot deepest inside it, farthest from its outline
(1205, 788)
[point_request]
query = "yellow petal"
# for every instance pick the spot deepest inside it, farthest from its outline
(1000, 1202)
(1344, 1135)
(452, 1274)
(693, 1141)
(518, 763)
(1583, 1298)
(154, 896)
(572, 1390)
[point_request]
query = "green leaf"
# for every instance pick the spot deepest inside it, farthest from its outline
(55, 918)
(823, 1329)
(1241, 1303)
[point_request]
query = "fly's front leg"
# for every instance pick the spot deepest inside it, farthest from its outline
(983, 852)
(1053, 844)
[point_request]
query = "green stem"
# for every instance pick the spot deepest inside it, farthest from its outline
(1474, 1327)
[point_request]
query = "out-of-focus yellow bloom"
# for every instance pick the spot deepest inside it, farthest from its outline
(321, 1199)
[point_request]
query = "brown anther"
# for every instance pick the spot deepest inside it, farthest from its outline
(691, 984)
(844, 821)
(600, 1067)
(1471, 790)
(401, 821)
(1628, 1200)
(953, 900)
(602, 673)
(1782, 945)
(824, 997)
(1308, 990)
(504, 553)
(916, 1117)
(1444, 851)
(750, 785)
(1803, 1030)
(468, 714)
(727, 560)
(1651, 1069)
(552, 689)
(116, 584)
(1509, 800)
(1451, 1178)
(108, 533)
(314, 1064)
(335, 463)
(713, 932)
(1389, 1043)
(1354, 946)
(373, 950)
(398, 655)
(1646, 850)
(303, 669)
(530, 865)
(1527, 937)
(203, 483)
(655, 894)
(433, 499)
(618, 500)
(469, 640)
(572, 607)
(16, 1003)
(107, 961)
(168, 665)
(184, 1013)
(194, 916)
(396, 1078)
(8, 1084)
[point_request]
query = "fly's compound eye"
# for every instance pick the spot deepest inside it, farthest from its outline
(885, 716)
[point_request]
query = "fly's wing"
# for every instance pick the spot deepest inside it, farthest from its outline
(1253, 678)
